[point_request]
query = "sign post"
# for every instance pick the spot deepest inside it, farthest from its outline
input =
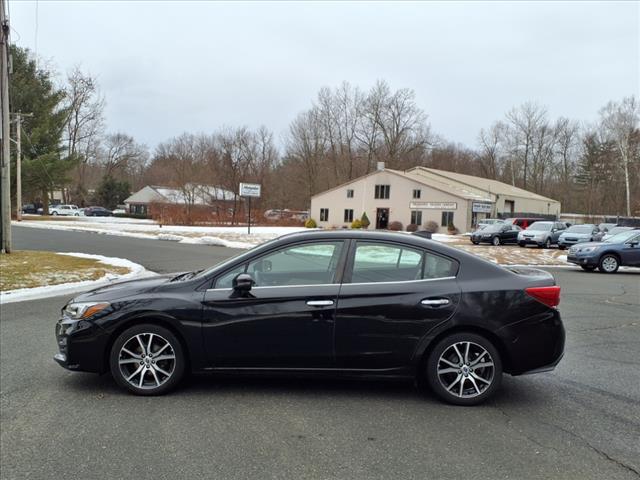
(250, 190)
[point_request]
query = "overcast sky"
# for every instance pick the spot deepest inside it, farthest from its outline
(168, 67)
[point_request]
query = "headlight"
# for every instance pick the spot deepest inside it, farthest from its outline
(82, 310)
(588, 249)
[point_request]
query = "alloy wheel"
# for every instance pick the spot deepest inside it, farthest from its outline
(465, 369)
(147, 360)
(609, 264)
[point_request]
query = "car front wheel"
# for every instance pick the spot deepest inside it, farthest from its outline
(547, 243)
(609, 264)
(147, 360)
(496, 241)
(464, 369)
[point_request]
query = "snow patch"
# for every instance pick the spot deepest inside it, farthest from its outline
(23, 294)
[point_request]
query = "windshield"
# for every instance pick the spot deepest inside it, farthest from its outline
(616, 230)
(580, 229)
(622, 237)
(540, 226)
(495, 227)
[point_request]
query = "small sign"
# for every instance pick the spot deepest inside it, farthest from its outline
(481, 207)
(434, 205)
(250, 189)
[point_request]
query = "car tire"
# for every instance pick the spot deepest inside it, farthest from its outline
(474, 242)
(55, 214)
(495, 241)
(522, 244)
(134, 369)
(562, 247)
(609, 263)
(547, 243)
(450, 369)
(588, 268)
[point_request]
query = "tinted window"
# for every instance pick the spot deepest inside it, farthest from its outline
(305, 264)
(381, 262)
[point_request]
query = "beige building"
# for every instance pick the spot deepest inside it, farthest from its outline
(422, 194)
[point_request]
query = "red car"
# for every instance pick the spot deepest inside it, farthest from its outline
(523, 222)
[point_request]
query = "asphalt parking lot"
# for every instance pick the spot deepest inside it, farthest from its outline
(580, 421)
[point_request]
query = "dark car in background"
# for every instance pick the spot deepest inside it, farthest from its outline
(622, 249)
(346, 303)
(587, 232)
(97, 212)
(30, 208)
(496, 234)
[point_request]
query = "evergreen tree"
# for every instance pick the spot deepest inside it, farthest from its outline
(111, 192)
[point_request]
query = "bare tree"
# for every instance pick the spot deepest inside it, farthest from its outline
(620, 123)
(119, 151)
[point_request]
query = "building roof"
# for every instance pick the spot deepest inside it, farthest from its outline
(485, 184)
(446, 185)
(192, 193)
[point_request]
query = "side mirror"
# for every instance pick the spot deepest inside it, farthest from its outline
(634, 243)
(242, 283)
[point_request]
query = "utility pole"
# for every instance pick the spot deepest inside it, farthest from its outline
(5, 174)
(18, 143)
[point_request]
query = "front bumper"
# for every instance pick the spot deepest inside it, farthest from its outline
(81, 345)
(587, 259)
(531, 241)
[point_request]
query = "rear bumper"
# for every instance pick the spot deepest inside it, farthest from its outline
(535, 344)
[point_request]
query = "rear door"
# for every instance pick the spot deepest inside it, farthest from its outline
(392, 295)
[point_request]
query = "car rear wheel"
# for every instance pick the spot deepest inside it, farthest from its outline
(609, 264)
(464, 369)
(495, 241)
(147, 360)
(547, 243)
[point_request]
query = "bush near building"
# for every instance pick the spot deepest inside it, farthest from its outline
(356, 223)
(365, 221)
(310, 223)
(412, 227)
(431, 226)
(395, 226)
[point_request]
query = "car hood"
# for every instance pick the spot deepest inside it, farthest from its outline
(587, 244)
(127, 288)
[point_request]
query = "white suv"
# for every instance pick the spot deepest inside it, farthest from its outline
(69, 210)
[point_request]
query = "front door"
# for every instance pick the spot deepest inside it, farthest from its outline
(631, 252)
(382, 218)
(392, 295)
(287, 319)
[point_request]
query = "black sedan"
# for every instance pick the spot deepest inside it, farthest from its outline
(97, 212)
(345, 303)
(496, 234)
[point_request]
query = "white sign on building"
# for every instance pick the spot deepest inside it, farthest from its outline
(481, 207)
(433, 205)
(250, 189)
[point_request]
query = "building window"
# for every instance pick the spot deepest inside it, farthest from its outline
(324, 214)
(416, 217)
(350, 193)
(348, 215)
(416, 193)
(382, 191)
(447, 219)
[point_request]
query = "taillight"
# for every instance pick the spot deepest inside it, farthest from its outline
(550, 296)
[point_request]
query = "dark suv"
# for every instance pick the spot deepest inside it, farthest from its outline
(608, 256)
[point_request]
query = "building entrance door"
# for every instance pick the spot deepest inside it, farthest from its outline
(382, 218)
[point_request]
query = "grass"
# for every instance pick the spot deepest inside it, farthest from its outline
(28, 269)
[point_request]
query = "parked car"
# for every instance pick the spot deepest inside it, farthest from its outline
(119, 211)
(523, 222)
(605, 227)
(488, 221)
(614, 231)
(97, 212)
(587, 232)
(342, 302)
(542, 234)
(68, 210)
(29, 208)
(608, 256)
(496, 234)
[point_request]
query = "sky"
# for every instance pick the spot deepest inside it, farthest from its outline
(168, 67)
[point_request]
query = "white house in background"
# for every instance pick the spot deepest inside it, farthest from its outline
(420, 194)
(193, 194)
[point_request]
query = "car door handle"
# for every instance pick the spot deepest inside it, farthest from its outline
(319, 303)
(435, 302)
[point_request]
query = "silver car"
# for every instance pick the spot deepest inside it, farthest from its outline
(587, 232)
(614, 231)
(542, 234)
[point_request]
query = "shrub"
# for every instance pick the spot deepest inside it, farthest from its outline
(451, 228)
(412, 227)
(395, 226)
(431, 226)
(130, 215)
(356, 223)
(310, 223)
(364, 220)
